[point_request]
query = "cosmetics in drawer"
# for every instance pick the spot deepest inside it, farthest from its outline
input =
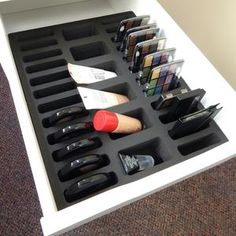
(102, 121)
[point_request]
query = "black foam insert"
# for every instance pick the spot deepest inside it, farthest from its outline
(41, 56)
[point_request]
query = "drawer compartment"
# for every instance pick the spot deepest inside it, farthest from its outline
(152, 140)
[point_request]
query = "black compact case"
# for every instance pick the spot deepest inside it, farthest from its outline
(183, 104)
(41, 57)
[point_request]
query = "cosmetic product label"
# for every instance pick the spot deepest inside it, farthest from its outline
(128, 24)
(163, 78)
(137, 37)
(89, 75)
(95, 99)
(132, 30)
(153, 60)
(144, 48)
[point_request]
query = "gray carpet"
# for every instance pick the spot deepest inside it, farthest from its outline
(201, 205)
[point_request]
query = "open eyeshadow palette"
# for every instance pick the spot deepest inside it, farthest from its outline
(41, 56)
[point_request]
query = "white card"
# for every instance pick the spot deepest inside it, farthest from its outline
(88, 75)
(95, 99)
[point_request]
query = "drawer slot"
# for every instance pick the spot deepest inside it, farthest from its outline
(57, 104)
(45, 66)
(32, 35)
(40, 44)
(54, 90)
(49, 78)
(87, 51)
(83, 31)
(42, 55)
(199, 144)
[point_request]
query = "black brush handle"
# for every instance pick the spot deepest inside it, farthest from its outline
(87, 186)
(71, 131)
(80, 166)
(67, 114)
(78, 147)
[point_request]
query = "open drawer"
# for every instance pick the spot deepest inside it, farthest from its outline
(197, 72)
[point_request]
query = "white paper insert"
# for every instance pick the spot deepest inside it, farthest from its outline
(95, 99)
(88, 75)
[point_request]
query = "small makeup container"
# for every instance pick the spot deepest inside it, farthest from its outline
(136, 163)
(107, 121)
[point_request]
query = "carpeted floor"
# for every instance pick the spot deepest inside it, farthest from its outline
(202, 205)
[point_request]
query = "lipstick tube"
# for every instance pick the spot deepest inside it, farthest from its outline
(107, 121)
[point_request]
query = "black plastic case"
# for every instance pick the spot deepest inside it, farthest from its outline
(41, 57)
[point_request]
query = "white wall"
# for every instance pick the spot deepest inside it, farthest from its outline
(211, 24)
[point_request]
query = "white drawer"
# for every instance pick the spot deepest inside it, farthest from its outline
(197, 72)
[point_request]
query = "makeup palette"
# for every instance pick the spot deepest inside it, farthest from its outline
(137, 37)
(183, 104)
(194, 122)
(163, 78)
(144, 48)
(153, 60)
(128, 24)
(168, 98)
(132, 30)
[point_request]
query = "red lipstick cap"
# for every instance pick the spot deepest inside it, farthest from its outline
(105, 121)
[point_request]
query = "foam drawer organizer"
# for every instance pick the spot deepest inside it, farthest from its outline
(41, 56)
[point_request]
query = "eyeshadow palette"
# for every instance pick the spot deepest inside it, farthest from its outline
(132, 30)
(182, 104)
(153, 60)
(163, 78)
(129, 23)
(144, 48)
(137, 37)
(168, 98)
(62, 124)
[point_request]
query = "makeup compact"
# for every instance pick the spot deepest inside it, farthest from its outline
(163, 78)
(153, 60)
(129, 23)
(138, 37)
(144, 48)
(168, 98)
(183, 104)
(194, 122)
(132, 30)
